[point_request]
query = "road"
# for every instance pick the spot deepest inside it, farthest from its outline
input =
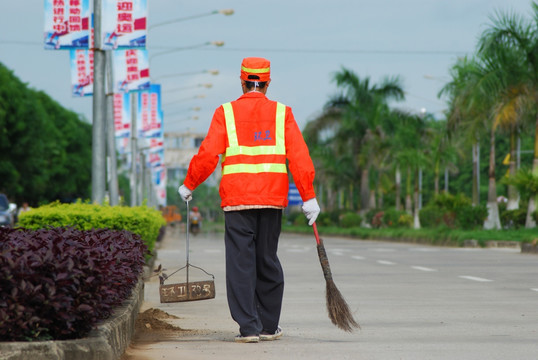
(412, 301)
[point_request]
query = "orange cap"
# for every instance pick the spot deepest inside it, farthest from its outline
(256, 66)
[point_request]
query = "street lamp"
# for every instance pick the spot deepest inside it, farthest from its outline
(215, 43)
(436, 78)
(226, 12)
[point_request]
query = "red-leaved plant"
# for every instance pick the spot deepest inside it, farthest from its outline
(58, 283)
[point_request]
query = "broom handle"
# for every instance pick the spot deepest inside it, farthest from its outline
(316, 232)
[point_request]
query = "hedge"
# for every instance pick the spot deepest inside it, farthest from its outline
(141, 220)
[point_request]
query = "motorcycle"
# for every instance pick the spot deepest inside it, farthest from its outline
(194, 225)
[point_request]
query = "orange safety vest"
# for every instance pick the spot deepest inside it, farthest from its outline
(256, 164)
(254, 175)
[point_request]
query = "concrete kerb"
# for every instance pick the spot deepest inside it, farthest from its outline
(107, 342)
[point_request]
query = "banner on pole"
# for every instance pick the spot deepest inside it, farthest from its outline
(159, 180)
(123, 24)
(122, 115)
(131, 70)
(81, 72)
(122, 122)
(149, 113)
(67, 24)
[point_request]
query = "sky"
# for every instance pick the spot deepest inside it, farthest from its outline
(306, 42)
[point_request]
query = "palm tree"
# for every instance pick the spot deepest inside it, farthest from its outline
(364, 105)
(511, 34)
(410, 154)
(464, 122)
(476, 85)
(350, 121)
(333, 162)
(443, 152)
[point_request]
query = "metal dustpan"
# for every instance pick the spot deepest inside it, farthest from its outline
(187, 291)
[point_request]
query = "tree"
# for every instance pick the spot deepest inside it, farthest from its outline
(45, 150)
(350, 121)
(511, 34)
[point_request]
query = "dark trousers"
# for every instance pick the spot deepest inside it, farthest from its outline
(254, 277)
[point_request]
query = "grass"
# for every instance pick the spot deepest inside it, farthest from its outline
(438, 236)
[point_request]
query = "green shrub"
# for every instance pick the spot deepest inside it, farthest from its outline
(431, 216)
(452, 211)
(470, 217)
(451, 202)
(290, 217)
(514, 219)
(370, 214)
(405, 220)
(300, 220)
(350, 219)
(141, 220)
(324, 219)
(393, 218)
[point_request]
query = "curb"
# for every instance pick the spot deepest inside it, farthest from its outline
(529, 248)
(107, 342)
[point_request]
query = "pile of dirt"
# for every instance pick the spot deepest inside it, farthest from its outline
(152, 327)
(152, 320)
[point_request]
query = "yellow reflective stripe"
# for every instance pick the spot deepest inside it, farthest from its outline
(254, 168)
(255, 71)
(280, 128)
(230, 124)
(252, 150)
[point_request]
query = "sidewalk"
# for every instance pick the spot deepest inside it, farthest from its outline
(205, 330)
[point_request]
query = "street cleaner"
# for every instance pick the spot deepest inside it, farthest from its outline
(255, 136)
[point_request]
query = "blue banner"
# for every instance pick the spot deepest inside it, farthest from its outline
(294, 198)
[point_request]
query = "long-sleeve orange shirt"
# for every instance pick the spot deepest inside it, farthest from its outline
(255, 124)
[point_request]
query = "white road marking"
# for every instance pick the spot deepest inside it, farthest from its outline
(422, 268)
(357, 257)
(534, 289)
(385, 262)
(383, 250)
(474, 278)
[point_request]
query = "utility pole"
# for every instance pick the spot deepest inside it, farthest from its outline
(111, 138)
(134, 150)
(98, 128)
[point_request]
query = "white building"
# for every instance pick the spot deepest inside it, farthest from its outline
(179, 150)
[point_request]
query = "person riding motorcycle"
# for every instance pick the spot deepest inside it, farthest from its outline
(195, 219)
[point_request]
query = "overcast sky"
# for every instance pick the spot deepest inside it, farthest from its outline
(306, 42)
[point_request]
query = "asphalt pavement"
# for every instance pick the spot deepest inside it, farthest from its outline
(412, 301)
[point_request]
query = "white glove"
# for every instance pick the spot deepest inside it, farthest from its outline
(185, 193)
(311, 210)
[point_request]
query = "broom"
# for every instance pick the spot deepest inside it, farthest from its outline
(337, 307)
